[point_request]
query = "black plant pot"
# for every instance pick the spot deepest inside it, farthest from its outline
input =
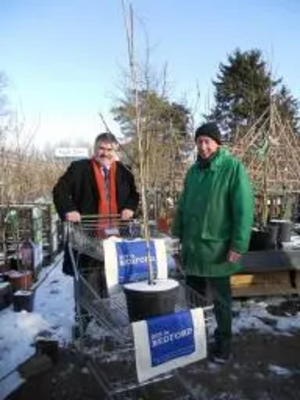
(6, 294)
(145, 301)
(23, 300)
(49, 347)
(263, 239)
(284, 231)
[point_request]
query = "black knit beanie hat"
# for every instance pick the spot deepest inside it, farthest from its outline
(209, 129)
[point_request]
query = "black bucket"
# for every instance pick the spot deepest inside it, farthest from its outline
(23, 300)
(264, 239)
(49, 347)
(145, 301)
(273, 230)
(284, 230)
(6, 294)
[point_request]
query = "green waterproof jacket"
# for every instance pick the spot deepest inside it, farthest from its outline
(214, 215)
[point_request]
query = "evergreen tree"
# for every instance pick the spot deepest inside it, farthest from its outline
(164, 126)
(243, 90)
(288, 107)
(157, 113)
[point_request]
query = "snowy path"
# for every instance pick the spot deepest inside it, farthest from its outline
(53, 315)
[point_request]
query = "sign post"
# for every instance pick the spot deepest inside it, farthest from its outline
(72, 152)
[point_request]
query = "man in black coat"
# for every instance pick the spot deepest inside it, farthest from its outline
(78, 191)
(97, 186)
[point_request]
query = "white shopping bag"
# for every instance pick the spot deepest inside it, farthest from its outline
(168, 342)
(126, 261)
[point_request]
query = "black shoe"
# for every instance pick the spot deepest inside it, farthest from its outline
(221, 358)
(221, 354)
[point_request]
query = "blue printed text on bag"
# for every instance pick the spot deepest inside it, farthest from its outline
(133, 261)
(171, 336)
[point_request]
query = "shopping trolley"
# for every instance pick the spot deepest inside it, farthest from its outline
(109, 351)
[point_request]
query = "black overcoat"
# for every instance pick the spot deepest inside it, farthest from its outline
(76, 190)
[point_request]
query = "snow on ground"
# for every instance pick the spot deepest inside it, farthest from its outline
(254, 315)
(279, 370)
(54, 315)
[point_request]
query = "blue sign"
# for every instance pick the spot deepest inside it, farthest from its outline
(170, 336)
(133, 261)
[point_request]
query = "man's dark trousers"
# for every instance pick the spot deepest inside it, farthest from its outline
(218, 290)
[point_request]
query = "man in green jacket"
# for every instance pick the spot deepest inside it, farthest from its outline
(213, 221)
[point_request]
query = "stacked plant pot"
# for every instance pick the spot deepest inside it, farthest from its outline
(272, 236)
(23, 296)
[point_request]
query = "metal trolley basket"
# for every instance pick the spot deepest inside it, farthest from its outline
(107, 344)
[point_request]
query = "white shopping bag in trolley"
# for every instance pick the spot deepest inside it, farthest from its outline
(167, 342)
(126, 261)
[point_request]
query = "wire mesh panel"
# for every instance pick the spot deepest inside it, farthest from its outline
(87, 236)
